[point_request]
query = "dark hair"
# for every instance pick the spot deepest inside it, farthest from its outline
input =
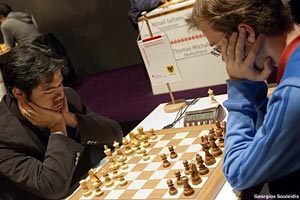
(30, 65)
(5, 9)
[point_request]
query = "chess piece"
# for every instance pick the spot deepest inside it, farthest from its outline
(107, 151)
(122, 181)
(114, 169)
(133, 138)
(166, 163)
(108, 182)
(223, 126)
(97, 188)
(124, 165)
(137, 147)
(153, 135)
(215, 150)
(202, 168)
(172, 189)
(173, 154)
(186, 167)
(86, 191)
(188, 190)
(195, 177)
(127, 148)
(120, 156)
(145, 141)
(140, 130)
(204, 142)
(145, 156)
(93, 177)
(178, 177)
(219, 133)
(211, 96)
(209, 159)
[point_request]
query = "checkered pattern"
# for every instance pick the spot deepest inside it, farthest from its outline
(148, 179)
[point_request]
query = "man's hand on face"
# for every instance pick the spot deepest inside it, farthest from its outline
(42, 117)
(239, 65)
(69, 117)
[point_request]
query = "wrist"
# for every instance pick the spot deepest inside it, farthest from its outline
(59, 126)
(70, 119)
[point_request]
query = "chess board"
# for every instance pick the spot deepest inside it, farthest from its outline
(148, 179)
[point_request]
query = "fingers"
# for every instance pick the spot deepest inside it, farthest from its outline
(252, 54)
(240, 46)
(231, 46)
(266, 71)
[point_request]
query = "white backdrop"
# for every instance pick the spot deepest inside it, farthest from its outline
(190, 47)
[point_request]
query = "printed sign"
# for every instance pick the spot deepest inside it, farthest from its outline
(159, 60)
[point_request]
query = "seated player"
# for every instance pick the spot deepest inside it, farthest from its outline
(48, 138)
(262, 142)
(17, 27)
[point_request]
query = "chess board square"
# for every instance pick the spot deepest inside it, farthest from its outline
(152, 166)
(137, 184)
(188, 156)
(139, 167)
(174, 143)
(158, 174)
(193, 134)
(154, 151)
(142, 194)
(167, 137)
(135, 159)
(194, 148)
(180, 136)
(127, 194)
(161, 143)
(114, 195)
(132, 175)
(151, 184)
(186, 141)
(145, 175)
(157, 194)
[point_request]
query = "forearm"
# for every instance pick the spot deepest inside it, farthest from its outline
(252, 155)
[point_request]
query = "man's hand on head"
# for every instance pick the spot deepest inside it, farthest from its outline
(69, 117)
(41, 117)
(242, 66)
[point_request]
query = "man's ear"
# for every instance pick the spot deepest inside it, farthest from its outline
(251, 36)
(18, 94)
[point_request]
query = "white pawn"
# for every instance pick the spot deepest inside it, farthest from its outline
(108, 182)
(145, 156)
(122, 181)
(98, 191)
(153, 135)
(86, 191)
